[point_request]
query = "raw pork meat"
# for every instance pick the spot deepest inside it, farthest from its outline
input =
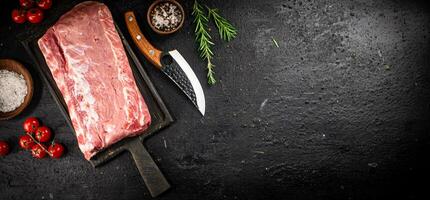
(90, 67)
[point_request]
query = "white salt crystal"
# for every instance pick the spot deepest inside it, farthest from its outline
(13, 90)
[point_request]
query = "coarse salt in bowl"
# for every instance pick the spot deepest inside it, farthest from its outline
(13, 90)
(165, 16)
(16, 88)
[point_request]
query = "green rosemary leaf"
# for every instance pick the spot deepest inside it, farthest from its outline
(203, 39)
(226, 30)
(275, 42)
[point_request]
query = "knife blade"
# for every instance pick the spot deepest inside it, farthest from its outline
(171, 63)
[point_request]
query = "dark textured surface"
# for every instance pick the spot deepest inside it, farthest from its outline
(339, 111)
(178, 76)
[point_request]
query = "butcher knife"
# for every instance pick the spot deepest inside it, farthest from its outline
(171, 63)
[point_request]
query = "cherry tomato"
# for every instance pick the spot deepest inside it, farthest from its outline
(37, 151)
(44, 4)
(35, 15)
(43, 134)
(26, 3)
(31, 124)
(56, 150)
(4, 148)
(26, 142)
(18, 16)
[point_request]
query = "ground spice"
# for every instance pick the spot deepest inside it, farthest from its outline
(13, 90)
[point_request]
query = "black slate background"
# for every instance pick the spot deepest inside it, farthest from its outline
(339, 111)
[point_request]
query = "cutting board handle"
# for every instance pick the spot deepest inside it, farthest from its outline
(151, 174)
(150, 52)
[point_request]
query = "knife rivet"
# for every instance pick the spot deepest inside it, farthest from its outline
(151, 52)
(130, 18)
(138, 37)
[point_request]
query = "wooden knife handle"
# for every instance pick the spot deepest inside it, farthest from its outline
(150, 52)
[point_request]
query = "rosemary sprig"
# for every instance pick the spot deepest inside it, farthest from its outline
(226, 30)
(204, 39)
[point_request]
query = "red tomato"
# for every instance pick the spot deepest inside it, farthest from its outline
(35, 15)
(26, 3)
(4, 148)
(37, 151)
(56, 150)
(31, 124)
(26, 142)
(43, 134)
(18, 16)
(44, 4)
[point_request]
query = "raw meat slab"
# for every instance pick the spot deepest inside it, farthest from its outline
(90, 67)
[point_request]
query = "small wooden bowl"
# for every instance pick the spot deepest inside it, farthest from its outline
(148, 16)
(17, 67)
